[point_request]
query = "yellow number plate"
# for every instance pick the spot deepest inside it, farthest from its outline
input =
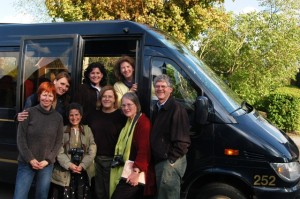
(264, 180)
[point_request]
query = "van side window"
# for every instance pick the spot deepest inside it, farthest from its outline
(183, 91)
(8, 91)
(8, 79)
(43, 60)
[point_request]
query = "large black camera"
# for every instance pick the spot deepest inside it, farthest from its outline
(76, 155)
(117, 161)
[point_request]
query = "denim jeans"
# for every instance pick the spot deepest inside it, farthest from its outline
(168, 178)
(25, 176)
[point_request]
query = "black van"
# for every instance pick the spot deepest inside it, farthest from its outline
(235, 153)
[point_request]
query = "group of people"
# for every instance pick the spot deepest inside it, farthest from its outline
(104, 129)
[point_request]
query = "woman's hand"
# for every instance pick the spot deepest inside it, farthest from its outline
(133, 178)
(134, 87)
(43, 164)
(38, 165)
(79, 169)
(75, 169)
(34, 164)
(22, 116)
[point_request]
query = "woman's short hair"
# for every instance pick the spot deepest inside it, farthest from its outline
(134, 98)
(89, 69)
(108, 88)
(76, 106)
(117, 66)
(48, 87)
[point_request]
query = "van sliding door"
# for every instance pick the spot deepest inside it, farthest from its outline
(42, 58)
(8, 82)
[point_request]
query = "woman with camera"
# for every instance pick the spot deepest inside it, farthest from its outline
(133, 144)
(72, 174)
(106, 123)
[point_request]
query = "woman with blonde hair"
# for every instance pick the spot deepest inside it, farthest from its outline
(106, 123)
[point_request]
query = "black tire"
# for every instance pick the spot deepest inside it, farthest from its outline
(219, 191)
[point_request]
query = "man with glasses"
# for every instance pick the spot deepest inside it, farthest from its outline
(169, 139)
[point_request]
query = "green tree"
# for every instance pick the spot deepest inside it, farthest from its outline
(257, 53)
(184, 19)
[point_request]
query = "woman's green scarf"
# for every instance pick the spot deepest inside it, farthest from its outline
(122, 148)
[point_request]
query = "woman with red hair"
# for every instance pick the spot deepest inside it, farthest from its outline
(39, 139)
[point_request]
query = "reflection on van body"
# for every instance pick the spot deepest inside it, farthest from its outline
(235, 153)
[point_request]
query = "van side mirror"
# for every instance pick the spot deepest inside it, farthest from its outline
(201, 110)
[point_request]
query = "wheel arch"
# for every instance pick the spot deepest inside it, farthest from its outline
(193, 185)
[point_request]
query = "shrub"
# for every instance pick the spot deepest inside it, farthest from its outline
(283, 109)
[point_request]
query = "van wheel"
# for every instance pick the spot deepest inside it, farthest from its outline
(219, 191)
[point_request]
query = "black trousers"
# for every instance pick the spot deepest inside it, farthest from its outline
(126, 191)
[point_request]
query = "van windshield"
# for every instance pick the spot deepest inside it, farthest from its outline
(204, 76)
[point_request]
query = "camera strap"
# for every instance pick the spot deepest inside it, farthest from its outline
(81, 131)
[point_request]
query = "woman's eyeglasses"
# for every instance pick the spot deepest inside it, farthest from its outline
(126, 105)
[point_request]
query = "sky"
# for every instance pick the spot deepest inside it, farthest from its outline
(241, 6)
(9, 13)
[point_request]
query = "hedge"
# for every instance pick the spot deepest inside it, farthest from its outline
(283, 109)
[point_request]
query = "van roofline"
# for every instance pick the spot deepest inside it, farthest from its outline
(11, 34)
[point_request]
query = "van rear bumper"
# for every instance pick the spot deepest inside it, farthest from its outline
(277, 192)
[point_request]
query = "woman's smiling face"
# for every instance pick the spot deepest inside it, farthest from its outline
(75, 117)
(126, 70)
(46, 100)
(95, 76)
(108, 100)
(129, 108)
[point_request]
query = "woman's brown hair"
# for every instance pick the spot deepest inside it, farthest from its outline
(117, 70)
